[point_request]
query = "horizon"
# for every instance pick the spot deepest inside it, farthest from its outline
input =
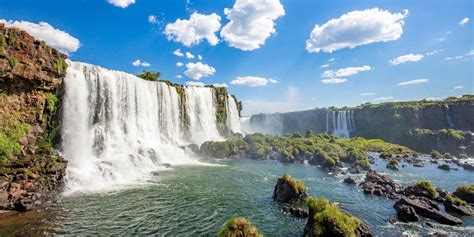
(412, 52)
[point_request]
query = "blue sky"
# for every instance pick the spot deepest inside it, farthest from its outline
(436, 43)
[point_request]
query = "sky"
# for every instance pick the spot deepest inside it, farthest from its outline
(274, 55)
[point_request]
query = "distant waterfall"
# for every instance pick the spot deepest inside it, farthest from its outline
(233, 120)
(340, 123)
(117, 128)
(449, 119)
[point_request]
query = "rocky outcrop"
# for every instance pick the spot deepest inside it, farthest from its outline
(406, 213)
(30, 80)
(423, 207)
(289, 190)
(380, 185)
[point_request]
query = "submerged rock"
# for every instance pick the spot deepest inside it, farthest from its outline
(424, 207)
(289, 190)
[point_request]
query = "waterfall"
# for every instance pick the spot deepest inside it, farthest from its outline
(342, 123)
(449, 120)
(233, 121)
(118, 128)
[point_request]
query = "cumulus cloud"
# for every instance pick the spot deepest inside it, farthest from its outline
(459, 87)
(470, 53)
(55, 38)
(194, 83)
(179, 64)
(344, 72)
(138, 62)
(252, 81)
(121, 3)
(199, 27)
(178, 53)
(251, 23)
(152, 19)
(334, 81)
(406, 58)
(367, 94)
(413, 82)
(189, 55)
(464, 21)
(356, 28)
(384, 98)
(220, 85)
(198, 70)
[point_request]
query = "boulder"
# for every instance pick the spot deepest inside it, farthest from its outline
(289, 190)
(463, 210)
(423, 207)
(350, 180)
(392, 166)
(466, 196)
(380, 185)
(405, 213)
(444, 167)
(296, 211)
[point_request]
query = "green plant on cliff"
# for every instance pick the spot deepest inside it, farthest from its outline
(11, 38)
(149, 75)
(455, 200)
(466, 190)
(295, 184)
(60, 66)
(239, 226)
(11, 131)
(428, 187)
(13, 62)
(52, 102)
(327, 217)
(3, 42)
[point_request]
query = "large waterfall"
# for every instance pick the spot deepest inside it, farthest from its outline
(118, 128)
(340, 123)
(233, 121)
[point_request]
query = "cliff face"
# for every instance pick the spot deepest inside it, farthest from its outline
(421, 125)
(30, 79)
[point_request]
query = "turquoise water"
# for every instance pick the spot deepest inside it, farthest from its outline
(197, 200)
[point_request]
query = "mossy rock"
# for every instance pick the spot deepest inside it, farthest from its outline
(239, 227)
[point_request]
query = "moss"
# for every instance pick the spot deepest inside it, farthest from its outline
(239, 227)
(428, 187)
(467, 189)
(13, 62)
(11, 131)
(455, 200)
(60, 66)
(52, 102)
(328, 217)
(297, 185)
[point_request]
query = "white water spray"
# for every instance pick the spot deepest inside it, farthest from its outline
(342, 123)
(233, 121)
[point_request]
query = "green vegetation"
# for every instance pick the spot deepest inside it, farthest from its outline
(239, 227)
(11, 38)
(3, 42)
(52, 102)
(11, 131)
(455, 200)
(467, 190)
(60, 66)
(297, 185)
(394, 162)
(149, 75)
(328, 217)
(428, 187)
(13, 62)
(435, 154)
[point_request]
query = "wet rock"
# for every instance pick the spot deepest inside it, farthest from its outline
(289, 190)
(468, 166)
(405, 213)
(444, 167)
(424, 208)
(463, 210)
(350, 180)
(466, 196)
(417, 191)
(296, 211)
(380, 185)
(392, 166)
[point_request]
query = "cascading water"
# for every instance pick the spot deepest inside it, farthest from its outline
(117, 128)
(342, 123)
(449, 120)
(233, 121)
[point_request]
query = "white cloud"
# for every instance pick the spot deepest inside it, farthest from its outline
(198, 70)
(252, 81)
(434, 52)
(288, 100)
(464, 21)
(179, 64)
(334, 81)
(220, 85)
(178, 53)
(199, 57)
(331, 60)
(454, 58)
(324, 65)
(470, 53)
(194, 83)
(189, 55)
(138, 62)
(356, 28)
(459, 87)
(367, 94)
(190, 32)
(344, 72)
(121, 3)
(406, 58)
(251, 23)
(384, 98)
(55, 38)
(179, 76)
(413, 82)
(152, 19)
(432, 98)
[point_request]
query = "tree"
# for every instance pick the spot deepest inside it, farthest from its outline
(149, 75)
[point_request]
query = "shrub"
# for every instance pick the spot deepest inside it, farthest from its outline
(296, 135)
(468, 189)
(455, 200)
(309, 133)
(364, 164)
(52, 102)
(60, 66)
(238, 226)
(297, 185)
(435, 154)
(328, 217)
(11, 131)
(428, 187)
(149, 75)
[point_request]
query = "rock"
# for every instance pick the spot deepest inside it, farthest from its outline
(296, 211)
(468, 197)
(468, 166)
(405, 213)
(418, 164)
(3, 199)
(444, 167)
(24, 204)
(350, 180)
(423, 208)
(463, 210)
(380, 185)
(392, 166)
(239, 227)
(418, 191)
(289, 190)
(439, 234)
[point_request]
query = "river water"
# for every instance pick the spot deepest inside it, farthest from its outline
(196, 200)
